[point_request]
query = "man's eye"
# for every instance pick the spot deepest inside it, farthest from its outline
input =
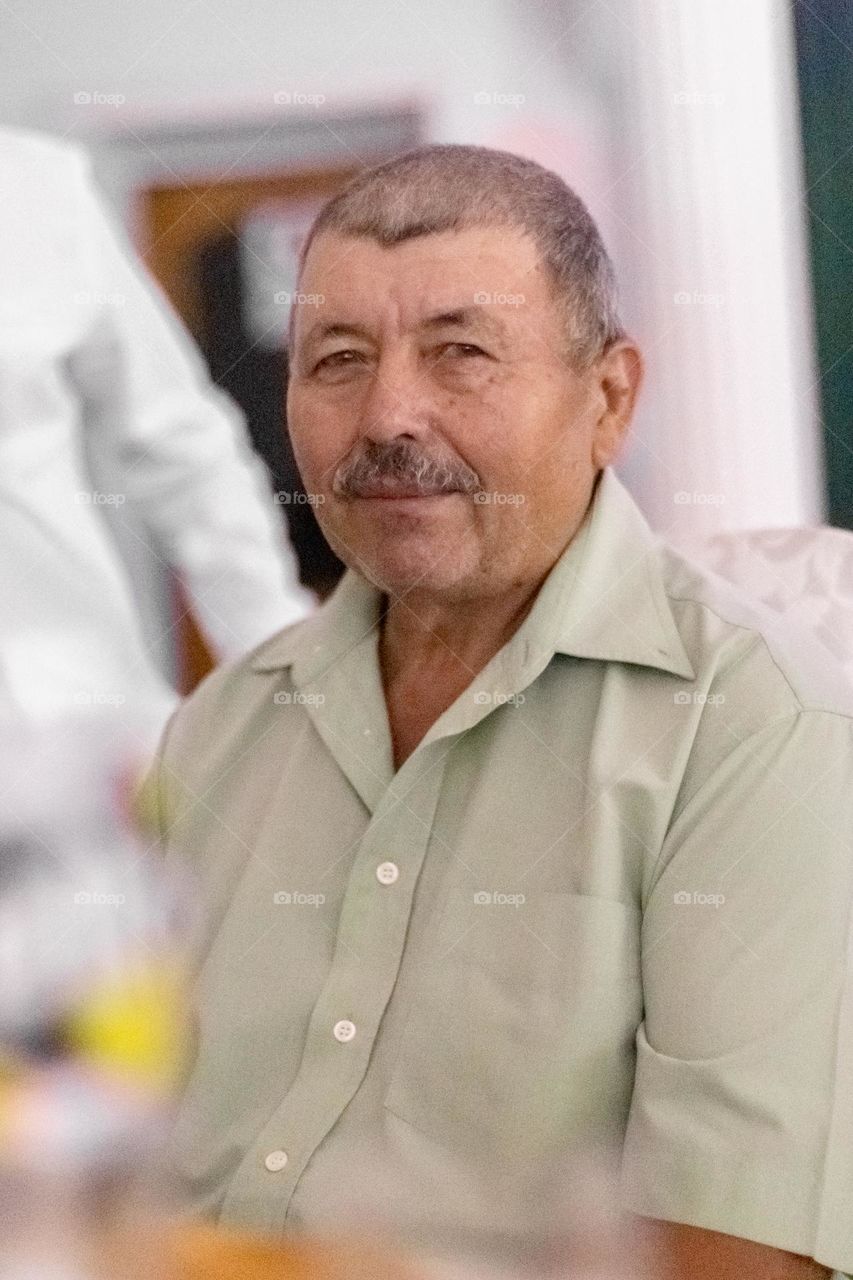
(463, 349)
(337, 359)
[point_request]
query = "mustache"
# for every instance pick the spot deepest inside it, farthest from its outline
(402, 464)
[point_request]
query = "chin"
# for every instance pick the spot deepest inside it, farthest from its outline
(399, 564)
(400, 574)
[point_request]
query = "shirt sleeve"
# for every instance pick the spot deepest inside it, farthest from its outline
(741, 1119)
(178, 446)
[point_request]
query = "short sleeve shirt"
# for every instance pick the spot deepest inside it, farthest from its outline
(605, 903)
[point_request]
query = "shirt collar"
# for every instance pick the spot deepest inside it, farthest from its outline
(605, 598)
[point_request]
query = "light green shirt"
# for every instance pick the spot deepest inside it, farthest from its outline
(606, 900)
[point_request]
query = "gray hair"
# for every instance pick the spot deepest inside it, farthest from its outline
(450, 187)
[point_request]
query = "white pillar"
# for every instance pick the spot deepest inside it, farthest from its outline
(712, 254)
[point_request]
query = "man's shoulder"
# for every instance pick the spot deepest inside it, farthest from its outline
(229, 703)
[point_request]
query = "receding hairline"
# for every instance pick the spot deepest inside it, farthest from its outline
(329, 232)
(452, 188)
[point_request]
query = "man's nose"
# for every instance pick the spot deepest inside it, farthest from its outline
(397, 401)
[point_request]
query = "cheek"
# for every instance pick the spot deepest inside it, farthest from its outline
(319, 438)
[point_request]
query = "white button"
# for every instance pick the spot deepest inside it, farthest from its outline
(276, 1160)
(344, 1030)
(387, 872)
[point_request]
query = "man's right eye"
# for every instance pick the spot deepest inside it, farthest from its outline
(336, 359)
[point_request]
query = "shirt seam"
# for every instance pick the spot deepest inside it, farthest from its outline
(760, 639)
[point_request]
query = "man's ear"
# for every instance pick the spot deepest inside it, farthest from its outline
(619, 376)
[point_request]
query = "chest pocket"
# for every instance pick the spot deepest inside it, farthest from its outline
(521, 1035)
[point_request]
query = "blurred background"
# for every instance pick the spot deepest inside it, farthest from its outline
(713, 143)
(711, 139)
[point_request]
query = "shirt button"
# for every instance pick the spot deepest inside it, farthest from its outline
(387, 872)
(275, 1161)
(344, 1030)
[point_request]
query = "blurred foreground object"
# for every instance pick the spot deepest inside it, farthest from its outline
(117, 454)
(202, 1252)
(91, 1003)
(562, 1217)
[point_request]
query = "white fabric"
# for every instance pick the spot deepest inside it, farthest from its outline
(105, 405)
(806, 573)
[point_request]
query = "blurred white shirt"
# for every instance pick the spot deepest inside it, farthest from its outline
(108, 420)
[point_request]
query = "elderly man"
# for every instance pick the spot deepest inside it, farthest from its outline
(531, 840)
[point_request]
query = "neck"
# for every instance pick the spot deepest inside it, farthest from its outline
(424, 632)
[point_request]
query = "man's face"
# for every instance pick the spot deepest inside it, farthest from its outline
(449, 445)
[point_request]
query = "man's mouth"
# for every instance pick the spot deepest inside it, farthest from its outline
(389, 489)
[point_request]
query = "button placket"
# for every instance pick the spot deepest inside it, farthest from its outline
(363, 974)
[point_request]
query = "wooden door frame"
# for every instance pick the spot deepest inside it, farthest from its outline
(138, 156)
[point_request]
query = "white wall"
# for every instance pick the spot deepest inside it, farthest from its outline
(220, 56)
(575, 78)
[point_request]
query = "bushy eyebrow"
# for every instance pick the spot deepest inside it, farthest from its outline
(458, 318)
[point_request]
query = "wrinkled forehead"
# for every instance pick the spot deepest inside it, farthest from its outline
(347, 278)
